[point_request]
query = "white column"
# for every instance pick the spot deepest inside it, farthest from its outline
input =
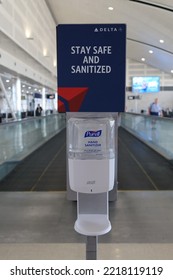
(56, 101)
(18, 98)
(14, 96)
(44, 101)
(7, 98)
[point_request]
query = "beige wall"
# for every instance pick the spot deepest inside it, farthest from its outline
(25, 56)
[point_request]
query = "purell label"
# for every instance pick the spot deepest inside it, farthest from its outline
(90, 133)
(90, 136)
(93, 144)
(93, 141)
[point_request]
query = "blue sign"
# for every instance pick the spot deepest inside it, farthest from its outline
(91, 61)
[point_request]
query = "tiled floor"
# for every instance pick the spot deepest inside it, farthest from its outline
(40, 226)
(77, 251)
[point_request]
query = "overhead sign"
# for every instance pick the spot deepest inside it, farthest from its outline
(50, 96)
(91, 62)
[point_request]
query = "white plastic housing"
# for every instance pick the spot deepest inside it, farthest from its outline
(91, 175)
(91, 154)
(92, 225)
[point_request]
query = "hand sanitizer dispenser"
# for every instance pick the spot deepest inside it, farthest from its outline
(91, 154)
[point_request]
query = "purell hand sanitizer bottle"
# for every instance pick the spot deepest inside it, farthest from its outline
(91, 154)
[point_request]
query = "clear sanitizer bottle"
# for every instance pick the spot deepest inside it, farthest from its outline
(91, 154)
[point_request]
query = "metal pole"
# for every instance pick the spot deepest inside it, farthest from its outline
(91, 247)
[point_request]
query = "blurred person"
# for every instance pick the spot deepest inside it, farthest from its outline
(38, 110)
(155, 109)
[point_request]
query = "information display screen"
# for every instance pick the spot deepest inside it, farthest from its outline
(146, 84)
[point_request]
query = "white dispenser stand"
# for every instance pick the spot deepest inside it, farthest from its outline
(92, 161)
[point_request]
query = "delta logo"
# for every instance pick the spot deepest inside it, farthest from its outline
(105, 29)
(90, 133)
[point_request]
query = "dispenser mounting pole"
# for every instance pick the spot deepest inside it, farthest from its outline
(91, 247)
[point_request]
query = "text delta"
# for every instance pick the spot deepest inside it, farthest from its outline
(93, 133)
(106, 29)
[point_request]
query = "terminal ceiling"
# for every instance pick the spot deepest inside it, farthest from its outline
(148, 22)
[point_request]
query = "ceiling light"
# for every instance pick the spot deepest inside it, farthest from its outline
(161, 41)
(45, 53)
(23, 85)
(143, 59)
(28, 34)
(150, 51)
(29, 87)
(110, 8)
(7, 81)
(171, 71)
